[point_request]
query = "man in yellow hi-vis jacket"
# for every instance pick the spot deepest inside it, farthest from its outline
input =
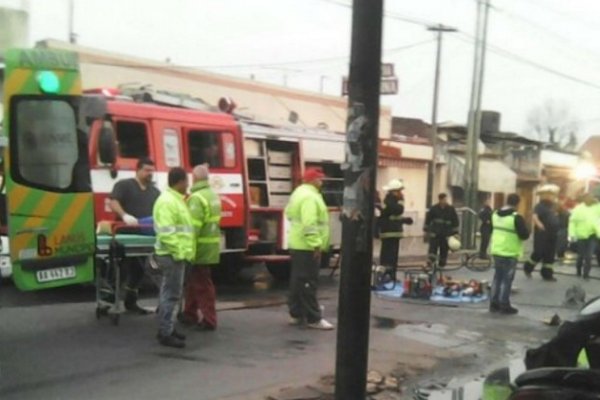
(200, 293)
(175, 248)
(309, 238)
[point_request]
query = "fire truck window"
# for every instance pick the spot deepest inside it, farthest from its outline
(133, 139)
(47, 147)
(205, 147)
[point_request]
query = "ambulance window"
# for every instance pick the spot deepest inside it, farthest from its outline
(45, 143)
(133, 139)
(205, 147)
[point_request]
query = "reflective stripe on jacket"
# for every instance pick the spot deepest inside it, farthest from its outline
(309, 219)
(390, 221)
(505, 239)
(583, 222)
(205, 208)
(173, 225)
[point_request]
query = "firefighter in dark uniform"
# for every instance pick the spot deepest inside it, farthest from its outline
(441, 222)
(545, 236)
(391, 222)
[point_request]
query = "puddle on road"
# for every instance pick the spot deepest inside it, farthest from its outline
(462, 389)
(391, 323)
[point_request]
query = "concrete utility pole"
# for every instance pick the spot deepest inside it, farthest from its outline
(440, 29)
(469, 226)
(360, 172)
(72, 34)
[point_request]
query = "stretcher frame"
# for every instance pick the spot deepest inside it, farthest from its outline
(111, 252)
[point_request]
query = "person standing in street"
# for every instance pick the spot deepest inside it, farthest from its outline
(441, 222)
(175, 249)
(545, 220)
(485, 216)
(562, 241)
(132, 199)
(308, 239)
(391, 223)
(509, 231)
(582, 230)
(200, 293)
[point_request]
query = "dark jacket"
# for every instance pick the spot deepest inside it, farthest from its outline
(441, 221)
(520, 224)
(485, 216)
(390, 221)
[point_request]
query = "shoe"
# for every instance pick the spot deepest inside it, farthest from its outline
(528, 274)
(494, 308)
(171, 341)
(203, 326)
(178, 335)
(550, 279)
(295, 321)
(136, 309)
(175, 334)
(508, 310)
(321, 325)
(586, 277)
(186, 320)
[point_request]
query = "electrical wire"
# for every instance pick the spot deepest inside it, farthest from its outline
(520, 59)
(261, 65)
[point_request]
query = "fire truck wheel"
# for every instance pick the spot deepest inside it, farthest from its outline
(228, 269)
(279, 271)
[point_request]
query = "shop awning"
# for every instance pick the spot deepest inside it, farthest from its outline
(494, 175)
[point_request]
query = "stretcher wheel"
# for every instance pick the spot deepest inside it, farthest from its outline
(101, 312)
(114, 319)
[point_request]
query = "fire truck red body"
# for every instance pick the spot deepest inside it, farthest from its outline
(254, 168)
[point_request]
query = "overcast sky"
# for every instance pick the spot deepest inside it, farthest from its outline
(244, 37)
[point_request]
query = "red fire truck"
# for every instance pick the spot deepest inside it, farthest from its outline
(254, 166)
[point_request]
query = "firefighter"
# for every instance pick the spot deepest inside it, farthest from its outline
(485, 216)
(582, 230)
(309, 238)
(175, 249)
(441, 222)
(200, 294)
(391, 222)
(545, 220)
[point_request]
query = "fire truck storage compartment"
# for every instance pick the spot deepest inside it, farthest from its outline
(273, 172)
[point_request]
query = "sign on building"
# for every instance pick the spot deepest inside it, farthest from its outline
(388, 84)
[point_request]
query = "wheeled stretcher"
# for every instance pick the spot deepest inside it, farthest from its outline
(111, 250)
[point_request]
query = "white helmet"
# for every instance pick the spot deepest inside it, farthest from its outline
(394, 184)
(454, 243)
(549, 188)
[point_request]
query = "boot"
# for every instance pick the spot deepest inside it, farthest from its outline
(131, 304)
(171, 341)
(528, 268)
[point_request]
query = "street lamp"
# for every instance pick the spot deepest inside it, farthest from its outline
(585, 171)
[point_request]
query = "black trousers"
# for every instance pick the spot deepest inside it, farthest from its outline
(304, 280)
(439, 243)
(131, 272)
(486, 235)
(388, 254)
(544, 251)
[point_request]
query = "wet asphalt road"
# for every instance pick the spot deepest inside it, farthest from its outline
(52, 347)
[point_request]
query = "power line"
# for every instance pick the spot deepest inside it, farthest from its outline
(539, 27)
(389, 14)
(261, 65)
(515, 57)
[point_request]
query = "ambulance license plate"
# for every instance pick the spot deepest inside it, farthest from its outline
(55, 274)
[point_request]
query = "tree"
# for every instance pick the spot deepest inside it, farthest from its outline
(554, 123)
